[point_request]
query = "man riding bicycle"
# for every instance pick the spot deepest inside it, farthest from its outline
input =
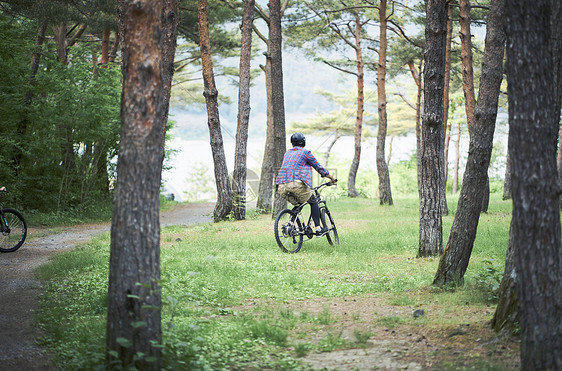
(294, 181)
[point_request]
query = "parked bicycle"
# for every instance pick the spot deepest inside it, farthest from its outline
(13, 228)
(290, 228)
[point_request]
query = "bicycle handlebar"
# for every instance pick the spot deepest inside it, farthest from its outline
(327, 184)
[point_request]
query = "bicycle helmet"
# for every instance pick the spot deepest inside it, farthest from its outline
(298, 139)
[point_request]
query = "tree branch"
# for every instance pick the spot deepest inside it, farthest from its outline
(406, 100)
(260, 35)
(76, 35)
(340, 69)
(262, 13)
(401, 32)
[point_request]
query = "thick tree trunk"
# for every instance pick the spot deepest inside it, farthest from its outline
(278, 99)
(134, 294)
(351, 190)
(240, 166)
(506, 317)
(431, 224)
(224, 192)
(382, 168)
(454, 261)
(534, 116)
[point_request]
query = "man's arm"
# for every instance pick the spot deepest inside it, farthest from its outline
(319, 168)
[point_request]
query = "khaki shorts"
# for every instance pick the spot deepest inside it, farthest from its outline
(295, 192)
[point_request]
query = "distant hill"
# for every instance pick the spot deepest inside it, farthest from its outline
(301, 78)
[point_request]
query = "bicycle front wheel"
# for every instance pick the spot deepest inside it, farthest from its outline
(328, 222)
(288, 231)
(13, 231)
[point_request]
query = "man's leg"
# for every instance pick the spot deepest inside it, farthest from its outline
(315, 213)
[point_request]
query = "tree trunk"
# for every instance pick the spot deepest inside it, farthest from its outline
(59, 32)
(507, 179)
(134, 294)
(454, 261)
(382, 168)
(467, 70)
(105, 47)
(278, 99)
(390, 142)
(446, 124)
(558, 161)
(457, 160)
(240, 166)
(431, 224)
(114, 48)
(265, 191)
(351, 190)
(534, 115)
(224, 192)
(330, 146)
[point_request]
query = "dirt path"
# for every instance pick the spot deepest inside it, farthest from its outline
(19, 290)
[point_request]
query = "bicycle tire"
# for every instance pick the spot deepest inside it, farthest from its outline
(12, 239)
(288, 231)
(328, 222)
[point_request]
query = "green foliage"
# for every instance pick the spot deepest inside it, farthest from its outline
(56, 150)
(490, 278)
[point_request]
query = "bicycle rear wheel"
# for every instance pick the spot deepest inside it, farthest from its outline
(288, 231)
(328, 222)
(13, 231)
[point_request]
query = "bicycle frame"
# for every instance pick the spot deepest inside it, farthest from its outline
(308, 231)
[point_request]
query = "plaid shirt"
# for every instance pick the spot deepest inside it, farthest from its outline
(297, 165)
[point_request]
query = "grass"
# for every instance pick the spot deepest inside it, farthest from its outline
(233, 300)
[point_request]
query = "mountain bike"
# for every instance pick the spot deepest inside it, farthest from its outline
(290, 228)
(13, 228)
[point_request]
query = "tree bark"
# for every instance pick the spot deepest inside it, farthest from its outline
(382, 168)
(134, 294)
(454, 261)
(278, 100)
(351, 190)
(534, 116)
(105, 47)
(240, 166)
(431, 224)
(223, 206)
